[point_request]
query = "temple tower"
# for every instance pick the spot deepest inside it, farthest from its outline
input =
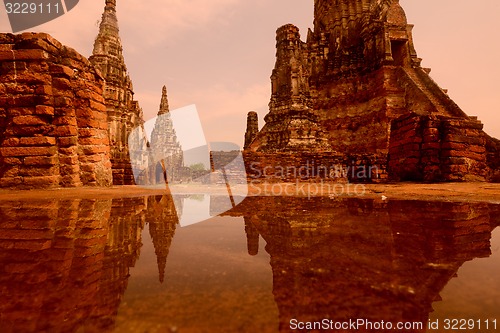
(358, 34)
(164, 143)
(336, 98)
(252, 128)
(123, 112)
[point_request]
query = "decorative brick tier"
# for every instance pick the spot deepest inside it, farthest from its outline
(436, 148)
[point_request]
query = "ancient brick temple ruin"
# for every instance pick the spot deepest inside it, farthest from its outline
(166, 152)
(123, 111)
(355, 96)
(352, 102)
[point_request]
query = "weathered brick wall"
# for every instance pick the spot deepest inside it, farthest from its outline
(354, 112)
(437, 148)
(53, 127)
(493, 158)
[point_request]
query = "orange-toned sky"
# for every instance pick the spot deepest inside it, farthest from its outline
(219, 54)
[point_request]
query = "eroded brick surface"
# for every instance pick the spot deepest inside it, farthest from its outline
(50, 93)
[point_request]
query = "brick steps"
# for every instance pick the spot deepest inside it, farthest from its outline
(413, 75)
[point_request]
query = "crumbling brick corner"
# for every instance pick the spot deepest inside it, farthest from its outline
(53, 123)
(437, 148)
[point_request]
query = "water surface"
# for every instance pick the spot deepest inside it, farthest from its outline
(125, 265)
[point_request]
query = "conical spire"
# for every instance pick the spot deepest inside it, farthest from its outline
(164, 108)
(109, 16)
(123, 111)
(108, 29)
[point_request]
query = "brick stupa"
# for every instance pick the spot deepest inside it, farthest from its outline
(355, 94)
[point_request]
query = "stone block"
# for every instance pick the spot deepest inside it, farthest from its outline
(91, 95)
(463, 153)
(455, 169)
(69, 151)
(29, 120)
(33, 245)
(67, 141)
(27, 54)
(93, 141)
(68, 159)
(30, 171)
(97, 105)
(44, 90)
(454, 146)
(431, 131)
(88, 122)
(61, 84)
(464, 139)
(26, 131)
(12, 161)
(453, 161)
(6, 47)
(477, 149)
(18, 234)
(41, 182)
(89, 132)
(41, 160)
(27, 151)
(11, 172)
(62, 71)
(38, 141)
(96, 158)
(44, 100)
(89, 177)
(8, 182)
(89, 150)
(71, 180)
(65, 130)
(10, 142)
(62, 102)
(18, 101)
(44, 110)
(69, 169)
(65, 120)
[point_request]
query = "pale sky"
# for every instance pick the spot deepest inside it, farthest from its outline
(219, 54)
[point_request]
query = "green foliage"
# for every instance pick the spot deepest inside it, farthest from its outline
(197, 167)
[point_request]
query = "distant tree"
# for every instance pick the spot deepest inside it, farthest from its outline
(198, 167)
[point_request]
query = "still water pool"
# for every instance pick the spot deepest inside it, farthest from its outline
(271, 264)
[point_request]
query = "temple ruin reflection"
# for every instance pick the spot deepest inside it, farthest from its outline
(366, 259)
(65, 264)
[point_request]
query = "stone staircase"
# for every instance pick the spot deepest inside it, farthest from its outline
(437, 97)
(412, 73)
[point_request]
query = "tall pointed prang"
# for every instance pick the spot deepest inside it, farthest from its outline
(123, 113)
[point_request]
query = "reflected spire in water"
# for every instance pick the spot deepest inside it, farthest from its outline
(252, 237)
(162, 224)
